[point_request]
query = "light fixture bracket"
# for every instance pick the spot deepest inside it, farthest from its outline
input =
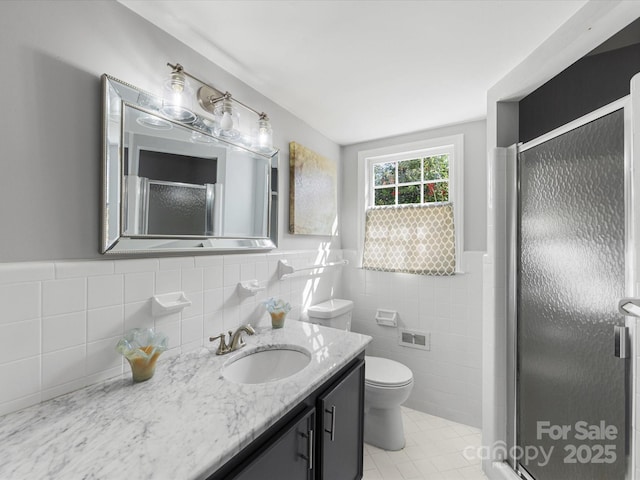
(208, 97)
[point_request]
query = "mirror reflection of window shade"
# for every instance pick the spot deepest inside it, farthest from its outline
(416, 239)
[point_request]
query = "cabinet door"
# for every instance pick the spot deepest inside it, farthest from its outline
(288, 456)
(340, 431)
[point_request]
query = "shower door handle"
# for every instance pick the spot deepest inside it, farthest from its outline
(621, 341)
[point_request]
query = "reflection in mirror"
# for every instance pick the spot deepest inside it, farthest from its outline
(170, 180)
(169, 185)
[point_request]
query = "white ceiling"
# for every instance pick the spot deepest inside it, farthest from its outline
(360, 70)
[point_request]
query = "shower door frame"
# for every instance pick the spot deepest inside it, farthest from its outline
(513, 241)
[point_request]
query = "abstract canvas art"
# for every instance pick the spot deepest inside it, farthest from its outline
(312, 192)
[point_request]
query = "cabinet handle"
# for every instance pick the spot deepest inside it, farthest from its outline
(309, 456)
(310, 448)
(333, 421)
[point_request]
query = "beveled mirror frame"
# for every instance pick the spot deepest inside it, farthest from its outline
(115, 95)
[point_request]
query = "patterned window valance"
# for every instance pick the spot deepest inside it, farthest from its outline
(416, 239)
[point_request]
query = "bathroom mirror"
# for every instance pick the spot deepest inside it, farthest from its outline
(171, 186)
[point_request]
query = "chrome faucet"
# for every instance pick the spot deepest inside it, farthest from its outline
(235, 339)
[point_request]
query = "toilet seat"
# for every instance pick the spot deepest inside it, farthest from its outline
(385, 373)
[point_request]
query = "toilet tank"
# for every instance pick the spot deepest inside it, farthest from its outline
(335, 313)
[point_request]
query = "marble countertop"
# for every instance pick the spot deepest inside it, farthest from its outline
(186, 422)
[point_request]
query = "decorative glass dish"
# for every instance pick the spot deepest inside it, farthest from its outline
(278, 310)
(142, 347)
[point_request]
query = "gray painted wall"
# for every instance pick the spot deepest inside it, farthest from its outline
(54, 54)
(475, 174)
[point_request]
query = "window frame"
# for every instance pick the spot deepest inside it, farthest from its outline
(397, 158)
(453, 145)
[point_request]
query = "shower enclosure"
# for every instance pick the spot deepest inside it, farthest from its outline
(570, 262)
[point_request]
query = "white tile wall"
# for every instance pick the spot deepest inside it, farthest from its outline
(448, 378)
(64, 296)
(60, 321)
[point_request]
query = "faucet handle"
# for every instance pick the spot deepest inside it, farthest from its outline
(222, 348)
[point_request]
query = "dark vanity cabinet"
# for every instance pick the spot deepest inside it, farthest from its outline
(320, 439)
(288, 455)
(340, 430)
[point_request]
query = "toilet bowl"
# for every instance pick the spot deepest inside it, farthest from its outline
(387, 383)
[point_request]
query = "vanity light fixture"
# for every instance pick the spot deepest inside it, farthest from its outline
(178, 98)
(225, 110)
(227, 117)
(265, 132)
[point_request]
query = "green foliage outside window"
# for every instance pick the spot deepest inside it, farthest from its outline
(385, 173)
(386, 196)
(436, 192)
(409, 194)
(436, 167)
(409, 171)
(428, 177)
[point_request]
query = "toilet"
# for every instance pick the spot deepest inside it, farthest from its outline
(387, 383)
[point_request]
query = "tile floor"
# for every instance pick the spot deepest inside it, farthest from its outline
(434, 451)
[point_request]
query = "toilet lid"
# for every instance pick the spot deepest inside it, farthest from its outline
(386, 373)
(330, 308)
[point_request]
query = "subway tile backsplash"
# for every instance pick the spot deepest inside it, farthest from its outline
(64, 296)
(20, 302)
(60, 321)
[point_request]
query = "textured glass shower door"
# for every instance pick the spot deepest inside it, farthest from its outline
(571, 418)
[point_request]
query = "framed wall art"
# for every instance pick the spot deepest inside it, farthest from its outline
(313, 203)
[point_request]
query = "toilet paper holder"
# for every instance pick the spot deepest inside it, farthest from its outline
(387, 318)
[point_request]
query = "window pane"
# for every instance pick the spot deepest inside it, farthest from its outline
(442, 191)
(409, 171)
(409, 194)
(384, 173)
(436, 167)
(436, 192)
(385, 196)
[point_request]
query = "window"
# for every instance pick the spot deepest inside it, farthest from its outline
(411, 195)
(413, 181)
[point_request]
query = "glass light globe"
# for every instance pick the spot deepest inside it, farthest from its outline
(265, 134)
(228, 118)
(226, 122)
(178, 98)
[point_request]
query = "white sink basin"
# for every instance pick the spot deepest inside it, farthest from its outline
(262, 366)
